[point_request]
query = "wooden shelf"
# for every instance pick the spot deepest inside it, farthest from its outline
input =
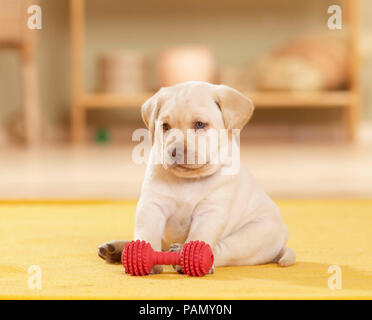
(329, 99)
(263, 99)
(104, 100)
(347, 100)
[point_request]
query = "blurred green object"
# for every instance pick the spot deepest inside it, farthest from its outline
(102, 136)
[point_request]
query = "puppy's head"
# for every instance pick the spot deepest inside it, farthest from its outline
(183, 120)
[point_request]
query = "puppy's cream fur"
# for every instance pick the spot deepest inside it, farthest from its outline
(182, 202)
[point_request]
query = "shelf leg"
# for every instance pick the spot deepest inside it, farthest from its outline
(77, 70)
(30, 88)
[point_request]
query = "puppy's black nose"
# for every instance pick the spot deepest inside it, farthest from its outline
(173, 152)
(176, 153)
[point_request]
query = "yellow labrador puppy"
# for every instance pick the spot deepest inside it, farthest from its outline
(183, 199)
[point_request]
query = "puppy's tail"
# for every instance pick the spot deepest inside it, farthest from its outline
(286, 257)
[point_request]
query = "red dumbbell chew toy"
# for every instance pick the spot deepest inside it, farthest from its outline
(196, 258)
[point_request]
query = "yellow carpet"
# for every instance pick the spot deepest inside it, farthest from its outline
(62, 238)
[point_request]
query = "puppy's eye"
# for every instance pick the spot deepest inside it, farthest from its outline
(199, 125)
(166, 126)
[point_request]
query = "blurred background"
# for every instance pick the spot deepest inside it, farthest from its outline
(70, 92)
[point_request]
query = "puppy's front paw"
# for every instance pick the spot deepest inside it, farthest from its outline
(111, 251)
(175, 247)
(212, 270)
(157, 269)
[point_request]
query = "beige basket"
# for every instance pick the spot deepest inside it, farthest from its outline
(121, 72)
(179, 64)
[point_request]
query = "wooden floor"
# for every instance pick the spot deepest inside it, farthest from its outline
(286, 170)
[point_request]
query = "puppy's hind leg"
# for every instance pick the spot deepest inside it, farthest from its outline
(286, 257)
(257, 242)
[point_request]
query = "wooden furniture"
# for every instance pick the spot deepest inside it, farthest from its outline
(348, 100)
(14, 34)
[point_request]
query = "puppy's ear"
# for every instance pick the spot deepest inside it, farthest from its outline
(236, 108)
(150, 110)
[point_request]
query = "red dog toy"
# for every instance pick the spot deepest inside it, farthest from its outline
(196, 258)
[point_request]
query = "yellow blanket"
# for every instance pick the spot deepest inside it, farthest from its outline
(60, 240)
